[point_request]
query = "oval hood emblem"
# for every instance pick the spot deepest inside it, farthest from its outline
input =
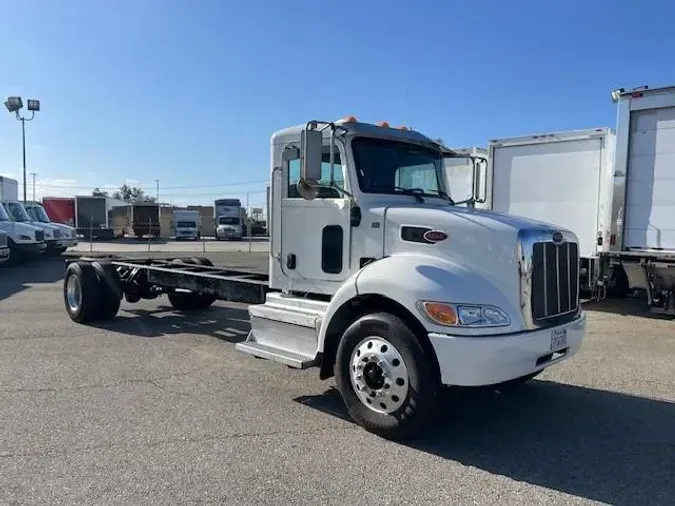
(435, 236)
(557, 237)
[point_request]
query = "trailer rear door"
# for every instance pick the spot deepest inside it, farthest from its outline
(554, 180)
(650, 183)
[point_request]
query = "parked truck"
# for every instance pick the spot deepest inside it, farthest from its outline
(391, 289)
(228, 219)
(67, 235)
(91, 212)
(145, 219)
(186, 224)
(563, 178)
(24, 240)
(642, 236)
(60, 210)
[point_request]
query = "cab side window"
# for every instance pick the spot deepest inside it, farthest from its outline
(323, 193)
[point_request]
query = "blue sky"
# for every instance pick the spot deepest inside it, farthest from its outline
(189, 92)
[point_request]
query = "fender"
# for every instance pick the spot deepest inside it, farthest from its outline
(408, 278)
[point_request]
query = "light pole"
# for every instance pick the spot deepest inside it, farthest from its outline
(15, 104)
(33, 174)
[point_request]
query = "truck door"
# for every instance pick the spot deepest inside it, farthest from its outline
(315, 234)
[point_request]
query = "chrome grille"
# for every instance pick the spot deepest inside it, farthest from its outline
(555, 279)
(39, 235)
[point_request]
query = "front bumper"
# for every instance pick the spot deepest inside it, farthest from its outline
(4, 255)
(67, 243)
(477, 361)
(31, 247)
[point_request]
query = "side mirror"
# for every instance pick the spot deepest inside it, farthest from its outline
(480, 178)
(312, 154)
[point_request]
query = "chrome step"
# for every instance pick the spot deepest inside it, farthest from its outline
(286, 357)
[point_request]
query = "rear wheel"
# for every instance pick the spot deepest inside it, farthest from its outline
(385, 377)
(81, 292)
(110, 288)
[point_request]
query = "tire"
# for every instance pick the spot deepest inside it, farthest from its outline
(14, 256)
(110, 289)
(81, 292)
(191, 301)
(409, 384)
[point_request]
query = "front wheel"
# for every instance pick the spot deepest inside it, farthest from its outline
(385, 377)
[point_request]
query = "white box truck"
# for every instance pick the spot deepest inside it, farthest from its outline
(228, 219)
(392, 290)
(564, 178)
(186, 224)
(643, 234)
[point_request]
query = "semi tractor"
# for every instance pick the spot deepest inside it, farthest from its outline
(375, 277)
(67, 234)
(229, 223)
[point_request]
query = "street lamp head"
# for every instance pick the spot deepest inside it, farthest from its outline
(13, 104)
(33, 105)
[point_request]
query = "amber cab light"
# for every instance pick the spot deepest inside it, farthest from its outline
(443, 314)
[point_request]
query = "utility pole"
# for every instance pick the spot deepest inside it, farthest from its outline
(157, 181)
(33, 174)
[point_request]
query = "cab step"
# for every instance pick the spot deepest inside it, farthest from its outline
(285, 329)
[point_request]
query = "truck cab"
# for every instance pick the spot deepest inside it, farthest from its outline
(377, 277)
(18, 212)
(66, 235)
(23, 239)
(186, 224)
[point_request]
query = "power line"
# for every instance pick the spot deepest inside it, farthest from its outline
(150, 186)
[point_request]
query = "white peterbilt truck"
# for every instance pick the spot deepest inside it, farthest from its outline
(375, 277)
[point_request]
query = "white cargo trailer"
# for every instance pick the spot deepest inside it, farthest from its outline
(564, 178)
(643, 239)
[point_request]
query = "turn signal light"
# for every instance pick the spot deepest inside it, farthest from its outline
(440, 313)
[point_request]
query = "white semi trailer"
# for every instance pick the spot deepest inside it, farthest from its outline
(376, 280)
(642, 239)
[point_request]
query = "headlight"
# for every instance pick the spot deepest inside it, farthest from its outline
(25, 238)
(464, 315)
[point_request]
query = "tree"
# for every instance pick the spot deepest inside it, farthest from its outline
(132, 194)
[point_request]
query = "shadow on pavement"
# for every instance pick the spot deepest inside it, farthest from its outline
(634, 305)
(600, 445)
(225, 323)
(20, 277)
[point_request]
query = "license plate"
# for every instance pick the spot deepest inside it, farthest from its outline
(558, 339)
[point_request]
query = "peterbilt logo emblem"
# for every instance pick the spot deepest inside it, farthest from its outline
(557, 237)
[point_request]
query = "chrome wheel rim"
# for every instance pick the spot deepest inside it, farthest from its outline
(379, 375)
(74, 293)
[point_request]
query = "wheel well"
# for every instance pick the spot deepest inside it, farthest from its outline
(359, 306)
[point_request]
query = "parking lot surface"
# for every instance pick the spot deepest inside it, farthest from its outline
(156, 407)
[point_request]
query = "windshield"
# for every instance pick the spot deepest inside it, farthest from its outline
(3, 214)
(17, 211)
(385, 166)
(224, 220)
(186, 224)
(38, 213)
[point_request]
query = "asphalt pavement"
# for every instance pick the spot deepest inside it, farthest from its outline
(156, 407)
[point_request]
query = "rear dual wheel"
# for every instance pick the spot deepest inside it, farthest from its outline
(92, 293)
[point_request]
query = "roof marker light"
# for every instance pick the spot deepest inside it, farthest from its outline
(383, 124)
(350, 119)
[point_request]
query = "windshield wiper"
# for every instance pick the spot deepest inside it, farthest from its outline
(415, 192)
(444, 195)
